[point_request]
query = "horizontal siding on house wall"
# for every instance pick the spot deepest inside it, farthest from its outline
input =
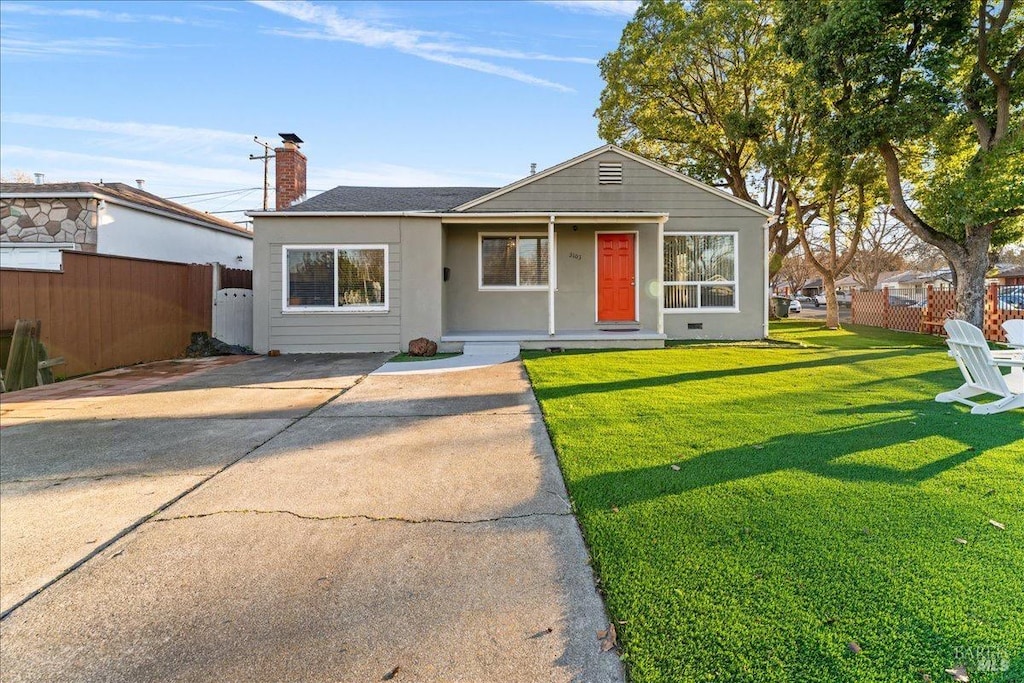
(690, 209)
(335, 332)
(642, 189)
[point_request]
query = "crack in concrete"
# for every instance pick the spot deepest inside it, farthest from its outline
(368, 518)
(254, 386)
(53, 482)
(167, 504)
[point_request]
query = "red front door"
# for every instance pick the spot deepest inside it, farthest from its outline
(616, 277)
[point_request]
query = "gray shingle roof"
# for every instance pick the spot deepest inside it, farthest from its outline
(347, 198)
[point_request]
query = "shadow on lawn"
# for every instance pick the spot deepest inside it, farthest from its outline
(815, 453)
(647, 382)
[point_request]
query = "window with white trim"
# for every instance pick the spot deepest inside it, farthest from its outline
(350, 277)
(514, 261)
(700, 271)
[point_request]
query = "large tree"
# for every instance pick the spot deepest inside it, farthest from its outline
(687, 86)
(884, 246)
(935, 88)
(835, 203)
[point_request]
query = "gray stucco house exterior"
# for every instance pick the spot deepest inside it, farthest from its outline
(608, 249)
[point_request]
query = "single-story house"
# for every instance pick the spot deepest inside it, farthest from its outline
(40, 220)
(607, 249)
(1004, 274)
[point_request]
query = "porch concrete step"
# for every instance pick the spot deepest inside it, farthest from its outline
(490, 349)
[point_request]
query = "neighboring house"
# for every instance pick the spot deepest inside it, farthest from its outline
(38, 221)
(813, 287)
(608, 249)
(1006, 275)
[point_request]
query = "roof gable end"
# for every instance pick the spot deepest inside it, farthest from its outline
(627, 155)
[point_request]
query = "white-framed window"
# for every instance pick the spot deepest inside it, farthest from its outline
(514, 261)
(700, 271)
(335, 277)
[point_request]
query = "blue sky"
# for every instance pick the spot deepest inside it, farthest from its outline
(383, 93)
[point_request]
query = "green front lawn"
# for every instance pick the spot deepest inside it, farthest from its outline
(756, 514)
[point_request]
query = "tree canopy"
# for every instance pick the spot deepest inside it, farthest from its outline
(935, 88)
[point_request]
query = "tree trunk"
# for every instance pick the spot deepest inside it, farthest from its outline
(970, 275)
(831, 302)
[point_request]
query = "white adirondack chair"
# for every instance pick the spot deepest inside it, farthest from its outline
(980, 367)
(1014, 330)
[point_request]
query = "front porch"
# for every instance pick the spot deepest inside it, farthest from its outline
(452, 342)
(541, 280)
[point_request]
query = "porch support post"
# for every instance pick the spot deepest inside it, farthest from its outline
(661, 274)
(552, 274)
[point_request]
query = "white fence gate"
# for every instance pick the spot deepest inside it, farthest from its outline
(232, 316)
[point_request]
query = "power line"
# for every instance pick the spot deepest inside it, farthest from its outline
(220, 191)
(236, 199)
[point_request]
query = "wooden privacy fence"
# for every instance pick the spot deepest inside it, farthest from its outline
(104, 312)
(888, 308)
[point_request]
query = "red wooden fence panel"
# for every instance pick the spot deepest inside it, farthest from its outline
(870, 308)
(874, 309)
(996, 313)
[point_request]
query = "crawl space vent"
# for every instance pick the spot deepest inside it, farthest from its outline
(609, 173)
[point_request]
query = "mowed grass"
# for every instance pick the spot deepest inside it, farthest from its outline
(816, 501)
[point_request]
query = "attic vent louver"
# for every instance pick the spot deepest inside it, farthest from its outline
(609, 173)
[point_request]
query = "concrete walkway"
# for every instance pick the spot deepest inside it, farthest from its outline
(474, 357)
(311, 523)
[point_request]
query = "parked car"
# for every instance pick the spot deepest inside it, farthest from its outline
(901, 301)
(1011, 301)
(794, 306)
(819, 300)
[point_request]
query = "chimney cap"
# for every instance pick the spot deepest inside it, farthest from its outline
(291, 137)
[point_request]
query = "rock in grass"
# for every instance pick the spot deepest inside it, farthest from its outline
(422, 347)
(854, 647)
(959, 674)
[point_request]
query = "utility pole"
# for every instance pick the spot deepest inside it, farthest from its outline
(266, 157)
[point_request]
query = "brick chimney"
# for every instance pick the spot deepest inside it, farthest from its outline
(290, 171)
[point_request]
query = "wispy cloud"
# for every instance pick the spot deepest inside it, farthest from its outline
(102, 47)
(151, 135)
(75, 166)
(612, 8)
(217, 7)
(49, 10)
(175, 179)
(434, 47)
(445, 48)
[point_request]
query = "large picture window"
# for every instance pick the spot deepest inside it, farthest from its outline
(336, 278)
(700, 271)
(514, 261)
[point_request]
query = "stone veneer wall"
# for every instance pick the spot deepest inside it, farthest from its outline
(49, 220)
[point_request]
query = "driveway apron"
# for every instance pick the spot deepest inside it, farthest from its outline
(412, 528)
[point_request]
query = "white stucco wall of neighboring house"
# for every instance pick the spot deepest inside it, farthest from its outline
(125, 231)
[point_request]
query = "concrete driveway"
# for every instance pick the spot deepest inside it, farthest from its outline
(294, 519)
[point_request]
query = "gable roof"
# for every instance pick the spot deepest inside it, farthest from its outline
(120, 193)
(618, 150)
(372, 199)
